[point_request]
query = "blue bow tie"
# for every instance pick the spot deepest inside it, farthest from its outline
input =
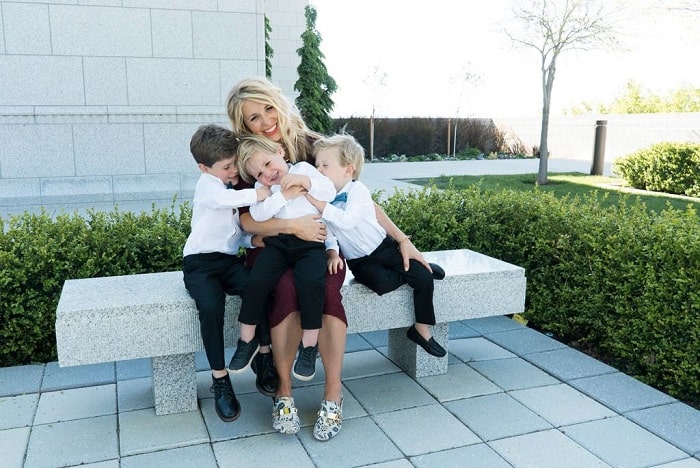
(341, 197)
(229, 185)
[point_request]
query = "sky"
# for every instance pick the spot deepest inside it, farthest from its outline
(424, 47)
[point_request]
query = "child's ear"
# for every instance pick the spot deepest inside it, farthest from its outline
(350, 169)
(280, 151)
(202, 167)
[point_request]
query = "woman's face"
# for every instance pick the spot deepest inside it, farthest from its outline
(261, 119)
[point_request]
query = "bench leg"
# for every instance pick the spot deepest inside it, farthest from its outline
(174, 384)
(412, 358)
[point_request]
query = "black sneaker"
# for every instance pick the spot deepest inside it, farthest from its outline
(245, 352)
(225, 401)
(305, 366)
(266, 380)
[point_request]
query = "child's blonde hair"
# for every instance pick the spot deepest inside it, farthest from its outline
(249, 146)
(349, 151)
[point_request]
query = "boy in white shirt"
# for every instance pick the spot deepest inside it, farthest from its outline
(211, 265)
(372, 256)
(263, 160)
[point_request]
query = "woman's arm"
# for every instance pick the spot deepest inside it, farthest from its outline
(306, 227)
(406, 247)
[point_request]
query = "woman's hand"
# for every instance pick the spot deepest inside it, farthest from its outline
(309, 228)
(334, 262)
(257, 241)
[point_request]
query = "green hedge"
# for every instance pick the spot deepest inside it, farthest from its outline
(37, 253)
(617, 282)
(663, 167)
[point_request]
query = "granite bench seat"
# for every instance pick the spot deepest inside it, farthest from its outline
(152, 316)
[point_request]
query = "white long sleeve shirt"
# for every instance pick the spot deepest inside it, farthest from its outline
(215, 224)
(279, 207)
(276, 206)
(354, 222)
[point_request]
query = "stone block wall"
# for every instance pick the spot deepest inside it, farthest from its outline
(99, 98)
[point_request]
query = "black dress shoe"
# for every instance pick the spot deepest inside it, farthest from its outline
(430, 346)
(266, 379)
(225, 401)
(438, 272)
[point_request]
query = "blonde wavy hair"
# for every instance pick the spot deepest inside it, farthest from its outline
(296, 136)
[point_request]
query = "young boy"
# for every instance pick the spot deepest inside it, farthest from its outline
(211, 265)
(372, 256)
(263, 160)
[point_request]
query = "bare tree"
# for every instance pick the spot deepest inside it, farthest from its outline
(459, 81)
(376, 81)
(551, 27)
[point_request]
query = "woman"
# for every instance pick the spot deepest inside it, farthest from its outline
(256, 106)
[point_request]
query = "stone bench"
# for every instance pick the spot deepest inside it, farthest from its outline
(152, 316)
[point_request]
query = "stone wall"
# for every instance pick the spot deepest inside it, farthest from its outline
(100, 97)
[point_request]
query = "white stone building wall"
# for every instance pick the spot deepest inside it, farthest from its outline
(99, 98)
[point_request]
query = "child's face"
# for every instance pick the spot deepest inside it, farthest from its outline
(261, 119)
(267, 168)
(328, 164)
(224, 169)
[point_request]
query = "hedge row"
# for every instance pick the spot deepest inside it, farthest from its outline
(618, 282)
(37, 253)
(663, 167)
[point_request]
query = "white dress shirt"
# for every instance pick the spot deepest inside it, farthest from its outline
(354, 222)
(279, 207)
(215, 223)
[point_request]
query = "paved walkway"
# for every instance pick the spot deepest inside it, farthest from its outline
(512, 398)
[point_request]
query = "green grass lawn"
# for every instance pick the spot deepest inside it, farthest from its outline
(572, 184)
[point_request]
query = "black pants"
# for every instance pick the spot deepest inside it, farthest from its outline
(308, 260)
(208, 278)
(382, 271)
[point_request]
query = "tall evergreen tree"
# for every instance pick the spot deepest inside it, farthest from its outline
(269, 51)
(315, 85)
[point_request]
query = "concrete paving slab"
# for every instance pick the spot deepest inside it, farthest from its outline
(525, 341)
(546, 449)
(274, 450)
(512, 373)
(388, 392)
(73, 442)
(620, 442)
(461, 381)
(255, 418)
(135, 394)
(477, 349)
(460, 329)
(365, 364)
(13, 446)
(452, 433)
(59, 378)
(76, 403)
(567, 363)
(488, 325)
(134, 369)
(473, 456)
(621, 392)
(19, 380)
(201, 456)
(496, 416)
(366, 444)
(18, 411)
(561, 405)
(142, 431)
(677, 423)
